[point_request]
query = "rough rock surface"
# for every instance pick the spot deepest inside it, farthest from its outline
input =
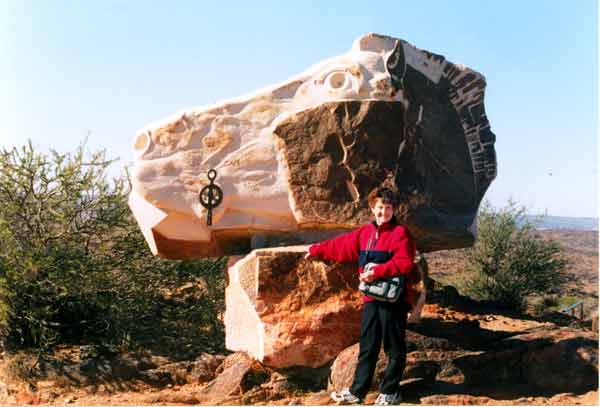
(287, 311)
(344, 366)
(288, 157)
(244, 381)
(465, 354)
(235, 377)
(348, 153)
(445, 367)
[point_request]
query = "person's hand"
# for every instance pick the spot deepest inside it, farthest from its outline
(368, 274)
(308, 256)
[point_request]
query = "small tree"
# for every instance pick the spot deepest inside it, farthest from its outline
(56, 215)
(74, 266)
(508, 262)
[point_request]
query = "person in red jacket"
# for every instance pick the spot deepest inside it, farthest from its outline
(393, 246)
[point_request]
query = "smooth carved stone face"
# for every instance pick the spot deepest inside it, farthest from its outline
(302, 156)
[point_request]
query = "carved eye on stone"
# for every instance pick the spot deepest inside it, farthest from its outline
(339, 80)
(142, 143)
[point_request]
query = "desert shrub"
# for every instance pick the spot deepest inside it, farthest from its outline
(74, 267)
(509, 262)
(546, 303)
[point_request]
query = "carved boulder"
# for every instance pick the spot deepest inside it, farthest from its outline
(300, 157)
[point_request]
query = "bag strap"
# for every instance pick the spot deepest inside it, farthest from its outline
(370, 241)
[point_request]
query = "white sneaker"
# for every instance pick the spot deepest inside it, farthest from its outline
(388, 399)
(345, 397)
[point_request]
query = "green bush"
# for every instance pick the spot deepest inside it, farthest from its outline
(508, 262)
(74, 267)
(545, 303)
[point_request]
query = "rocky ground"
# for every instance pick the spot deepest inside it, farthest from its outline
(460, 353)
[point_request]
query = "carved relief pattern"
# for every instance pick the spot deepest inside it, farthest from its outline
(465, 92)
(290, 158)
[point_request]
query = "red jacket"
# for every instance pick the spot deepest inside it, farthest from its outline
(390, 239)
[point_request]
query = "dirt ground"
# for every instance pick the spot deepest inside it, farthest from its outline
(580, 248)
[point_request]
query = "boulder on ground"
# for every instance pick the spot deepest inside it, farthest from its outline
(344, 366)
(556, 359)
(287, 311)
(545, 357)
(238, 374)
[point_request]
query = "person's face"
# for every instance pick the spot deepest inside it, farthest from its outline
(383, 212)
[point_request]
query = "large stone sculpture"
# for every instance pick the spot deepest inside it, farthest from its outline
(303, 155)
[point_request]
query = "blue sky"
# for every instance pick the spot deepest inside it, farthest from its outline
(110, 67)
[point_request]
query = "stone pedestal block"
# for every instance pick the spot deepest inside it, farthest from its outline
(286, 311)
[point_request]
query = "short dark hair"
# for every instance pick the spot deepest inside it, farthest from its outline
(387, 196)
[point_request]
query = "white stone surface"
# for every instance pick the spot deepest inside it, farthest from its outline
(244, 329)
(173, 156)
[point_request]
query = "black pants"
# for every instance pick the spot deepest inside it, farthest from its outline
(387, 322)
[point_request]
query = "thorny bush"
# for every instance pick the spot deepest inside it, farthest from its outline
(74, 267)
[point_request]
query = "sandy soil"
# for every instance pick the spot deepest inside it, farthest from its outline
(581, 248)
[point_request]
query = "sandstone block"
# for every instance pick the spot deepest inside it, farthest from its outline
(286, 311)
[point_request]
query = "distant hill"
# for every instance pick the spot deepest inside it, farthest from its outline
(563, 222)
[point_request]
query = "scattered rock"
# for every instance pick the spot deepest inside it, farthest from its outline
(200, 370)
(344, 366)
(459, 400)
(239, 374)
(25, 397)
(426, 370)
(548, 358)
(205, 368)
